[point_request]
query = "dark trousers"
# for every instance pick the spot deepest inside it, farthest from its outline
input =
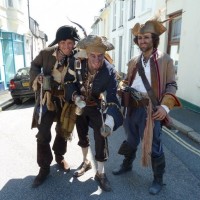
(134, 125)
(91, 117)
(44, 154)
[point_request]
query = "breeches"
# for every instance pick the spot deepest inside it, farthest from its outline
(44, 155)
(134, 125)
(91, 117)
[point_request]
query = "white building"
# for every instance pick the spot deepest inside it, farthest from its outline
(20, 38)
(180, 40)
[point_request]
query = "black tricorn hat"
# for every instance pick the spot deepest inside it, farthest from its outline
(64, 33)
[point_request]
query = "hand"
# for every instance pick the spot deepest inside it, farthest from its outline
(79, 101)
(160, 113)
(40, 78)
(105, 132)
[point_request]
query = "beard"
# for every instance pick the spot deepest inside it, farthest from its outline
(146, 47)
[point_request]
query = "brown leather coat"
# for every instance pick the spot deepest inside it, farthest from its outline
(162, 78)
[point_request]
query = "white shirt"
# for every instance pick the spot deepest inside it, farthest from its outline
(57, 75)
(137, 83)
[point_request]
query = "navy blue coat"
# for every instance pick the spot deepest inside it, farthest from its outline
(104, 82)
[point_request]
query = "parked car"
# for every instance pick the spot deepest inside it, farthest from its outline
(19, 86)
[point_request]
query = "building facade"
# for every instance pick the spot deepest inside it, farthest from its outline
(20, 38)
(119, 16)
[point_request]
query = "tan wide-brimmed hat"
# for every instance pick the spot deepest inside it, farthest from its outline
(150, 26)
(95, 43)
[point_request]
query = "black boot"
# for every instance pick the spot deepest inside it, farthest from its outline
(41, 177)
(44, 159)
(158, 166)
(129, 154)
(124, 167)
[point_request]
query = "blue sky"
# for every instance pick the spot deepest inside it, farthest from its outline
(51, 14)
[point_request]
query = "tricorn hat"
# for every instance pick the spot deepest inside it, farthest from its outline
(150, 26)
(64, 33)
(95, 43)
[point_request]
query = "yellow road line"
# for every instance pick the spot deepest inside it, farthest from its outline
(182, 142)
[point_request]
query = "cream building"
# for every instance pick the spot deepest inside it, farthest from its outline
(180, 40)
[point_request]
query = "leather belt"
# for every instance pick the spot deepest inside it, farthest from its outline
(58, 93)
(91, 103)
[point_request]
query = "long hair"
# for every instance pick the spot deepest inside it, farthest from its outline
(155, 40)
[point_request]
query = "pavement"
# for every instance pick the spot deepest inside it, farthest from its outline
(184, 120)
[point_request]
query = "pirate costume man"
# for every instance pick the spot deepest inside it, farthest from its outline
(47, 74)
(92, 85)
(152, 74)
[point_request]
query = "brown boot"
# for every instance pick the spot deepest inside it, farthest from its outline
(41, 177)
(62, 163)
(103, 182)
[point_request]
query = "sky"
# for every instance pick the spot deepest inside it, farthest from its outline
(51, 14)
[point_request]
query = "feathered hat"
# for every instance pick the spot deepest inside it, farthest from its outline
(153, 25)
(95, 43)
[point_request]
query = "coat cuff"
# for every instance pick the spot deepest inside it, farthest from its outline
(170, 100)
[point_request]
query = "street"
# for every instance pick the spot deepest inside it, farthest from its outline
(19, 167)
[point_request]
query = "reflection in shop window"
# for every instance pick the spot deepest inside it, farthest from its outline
(174, 53)
(174, 39)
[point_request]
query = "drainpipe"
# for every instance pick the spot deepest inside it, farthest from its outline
(30, 30)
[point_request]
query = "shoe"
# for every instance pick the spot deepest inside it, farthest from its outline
(121, 170)
(41, 177)
(64, 165)
(82, 169)
(103, 182)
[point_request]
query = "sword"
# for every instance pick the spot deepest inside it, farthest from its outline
(106, 151)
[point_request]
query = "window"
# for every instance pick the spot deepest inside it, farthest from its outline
(132, 9)
(120, 53)
(131, 47)
(10, 3)
(113, 51)
(114, 16)
(174, 38)
(121, 16)
(176, 29)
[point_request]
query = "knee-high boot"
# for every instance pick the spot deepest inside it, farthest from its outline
(60, 148)
(44, 159)
(129, 155)
(158, 167)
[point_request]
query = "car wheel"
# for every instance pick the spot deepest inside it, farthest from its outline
(18, 101)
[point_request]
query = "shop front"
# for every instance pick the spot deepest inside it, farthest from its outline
(11, 56)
